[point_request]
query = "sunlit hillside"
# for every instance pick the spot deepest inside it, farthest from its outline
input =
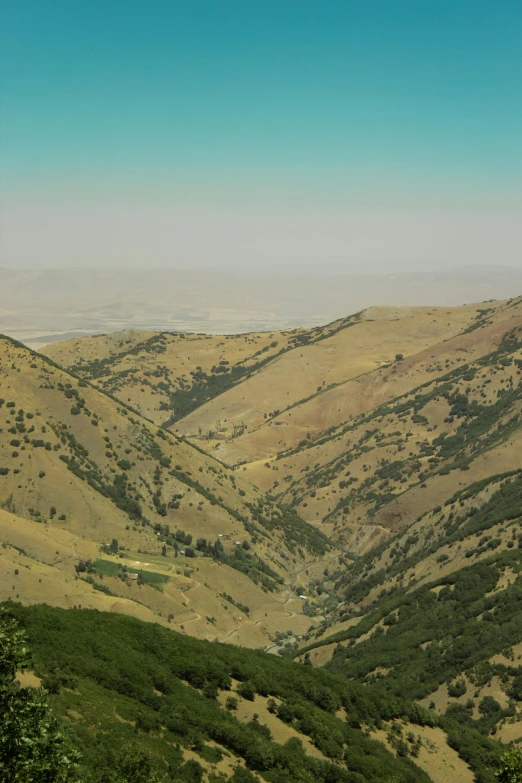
(347, 496)
(346, 422)
(103, 500)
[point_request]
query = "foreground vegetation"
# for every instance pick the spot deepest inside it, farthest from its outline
(138, 697)
(425, 628)
(447, 632)
(122, 681)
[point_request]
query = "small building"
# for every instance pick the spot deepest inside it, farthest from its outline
(303, 597)
(133, 576)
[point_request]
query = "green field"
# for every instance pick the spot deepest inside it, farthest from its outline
(110, 568)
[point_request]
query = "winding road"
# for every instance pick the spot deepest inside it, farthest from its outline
(290, 585)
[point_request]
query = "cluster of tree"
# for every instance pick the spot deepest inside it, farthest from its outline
(242, 607)
(424, 638)
(124, 668)
(33, 745)
(504, 506)
(242, 559)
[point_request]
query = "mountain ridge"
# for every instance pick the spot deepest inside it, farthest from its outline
(359, 511)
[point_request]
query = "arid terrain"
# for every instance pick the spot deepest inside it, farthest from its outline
(348, 495)
(38, 306)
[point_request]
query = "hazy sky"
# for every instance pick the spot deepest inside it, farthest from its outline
(357, 133)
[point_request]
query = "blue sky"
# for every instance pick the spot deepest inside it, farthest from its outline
(369, 103)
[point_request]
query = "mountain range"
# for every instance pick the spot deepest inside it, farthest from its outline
(347, 495)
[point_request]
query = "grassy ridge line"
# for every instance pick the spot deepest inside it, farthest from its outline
(387, 407)
(206, 387)
(312, 537)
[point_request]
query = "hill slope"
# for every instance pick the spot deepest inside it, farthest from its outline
(386, 495)
(355, 395)
(204, 710)
(243, 380)
(88, 472)
(435, 613)
(379, 470)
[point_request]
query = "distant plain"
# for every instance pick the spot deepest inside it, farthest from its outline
(42, 306)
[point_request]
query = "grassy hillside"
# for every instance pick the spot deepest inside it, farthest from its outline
(386, 448)
(454, 644)
(479, 521)
(375, 490)
(354, 425)
(155, 517)
(379, 470)
(237, 384)
(385, 354)
(435, 614)
(168, 375)
(190, 705)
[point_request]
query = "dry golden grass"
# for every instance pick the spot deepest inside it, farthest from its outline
(315, 387)
(28, 679)
(350, 357)
(194, 604)
(349, 372)
(343, 625)
(183, 354)
(362, 527)
(441, 698)
(349, 354)
(56, 517)
(39, 583)
(441, 762)
(281, 731)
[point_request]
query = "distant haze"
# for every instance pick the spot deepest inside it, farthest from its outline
(249, 164)
(340, 136)
(40, 306)
(252, 238)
